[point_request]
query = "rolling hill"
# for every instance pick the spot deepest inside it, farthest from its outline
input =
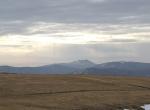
(62, 68)
(121, 68)
(85, 67)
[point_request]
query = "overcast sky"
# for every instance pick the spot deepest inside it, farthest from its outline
(39, 32)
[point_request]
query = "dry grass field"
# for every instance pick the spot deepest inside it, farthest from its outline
(72, 92)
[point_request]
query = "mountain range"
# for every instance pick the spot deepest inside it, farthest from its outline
(84, 67)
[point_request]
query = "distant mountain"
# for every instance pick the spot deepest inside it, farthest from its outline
(85, 67)
(62, 68)
(120, 68)
(80, 64)
(53, 69)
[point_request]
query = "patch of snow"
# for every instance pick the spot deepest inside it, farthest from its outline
(146, 107)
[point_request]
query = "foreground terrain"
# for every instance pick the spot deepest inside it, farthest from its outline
(72, 92)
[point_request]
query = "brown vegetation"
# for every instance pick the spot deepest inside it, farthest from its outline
(72, 92)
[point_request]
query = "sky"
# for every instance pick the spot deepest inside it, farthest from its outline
(40, 32)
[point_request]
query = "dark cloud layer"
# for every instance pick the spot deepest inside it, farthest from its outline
(89, 11)
(18, 15)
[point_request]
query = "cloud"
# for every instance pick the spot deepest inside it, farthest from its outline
(46, 31)
(75, 33)
(77, 11)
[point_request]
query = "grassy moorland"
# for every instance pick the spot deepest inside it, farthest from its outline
(72, 92)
